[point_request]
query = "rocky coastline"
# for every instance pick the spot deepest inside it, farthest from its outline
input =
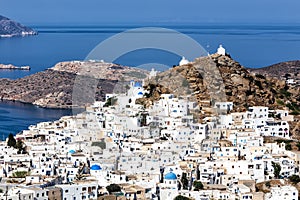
(56, 87)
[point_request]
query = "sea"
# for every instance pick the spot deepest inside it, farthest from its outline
(253, 45)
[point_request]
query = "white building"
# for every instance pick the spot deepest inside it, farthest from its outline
(169, 188)
(282, 192)
(221, 50)
(183, 61)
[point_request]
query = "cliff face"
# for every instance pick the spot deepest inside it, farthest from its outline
(9, 28)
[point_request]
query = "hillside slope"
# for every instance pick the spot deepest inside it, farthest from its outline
(69, 84)
(240, 86)
(280, 70)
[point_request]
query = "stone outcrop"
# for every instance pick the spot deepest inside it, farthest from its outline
(101, 70)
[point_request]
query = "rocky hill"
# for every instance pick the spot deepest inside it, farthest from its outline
(10, 28)
(223, 75)
(240, 86)
(50, 88)
(68, 84)
(290, 69)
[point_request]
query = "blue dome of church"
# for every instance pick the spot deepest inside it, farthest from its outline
(96, 167)
(72, 151)
(170, 176)
(137, 84)
(140, 93)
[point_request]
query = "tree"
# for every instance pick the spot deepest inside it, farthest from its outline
(298, 146)
(294, 179)
(180, 197)
(20, 146)
(288, 147)
(197, 185)
(110, 102)
(277, 169)
(198, 172)
(184, 181)
(11, 141)
(113, 188)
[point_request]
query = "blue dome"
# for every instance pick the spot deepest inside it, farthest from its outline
(96, 167)
(170, 176)
(72, 151)
(137, 84)
(140, 93)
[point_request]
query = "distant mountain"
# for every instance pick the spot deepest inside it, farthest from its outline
(10, 28)
(290, 69)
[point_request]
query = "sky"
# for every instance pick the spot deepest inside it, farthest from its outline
(150, 11)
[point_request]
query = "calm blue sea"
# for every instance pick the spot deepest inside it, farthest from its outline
(15, 116)
(252, 45)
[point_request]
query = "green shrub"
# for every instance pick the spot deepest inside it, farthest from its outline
(198, 185)
(260, 76)
(279, 102)
(100, 144)
(110, 101)
(19, 174)
(180, 197)
(285, 93)
(288, 147)
(113, 188)
(258, 83)
(294, 179)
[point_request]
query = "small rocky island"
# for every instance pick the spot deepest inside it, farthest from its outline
(12, 67)
(10, 28)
